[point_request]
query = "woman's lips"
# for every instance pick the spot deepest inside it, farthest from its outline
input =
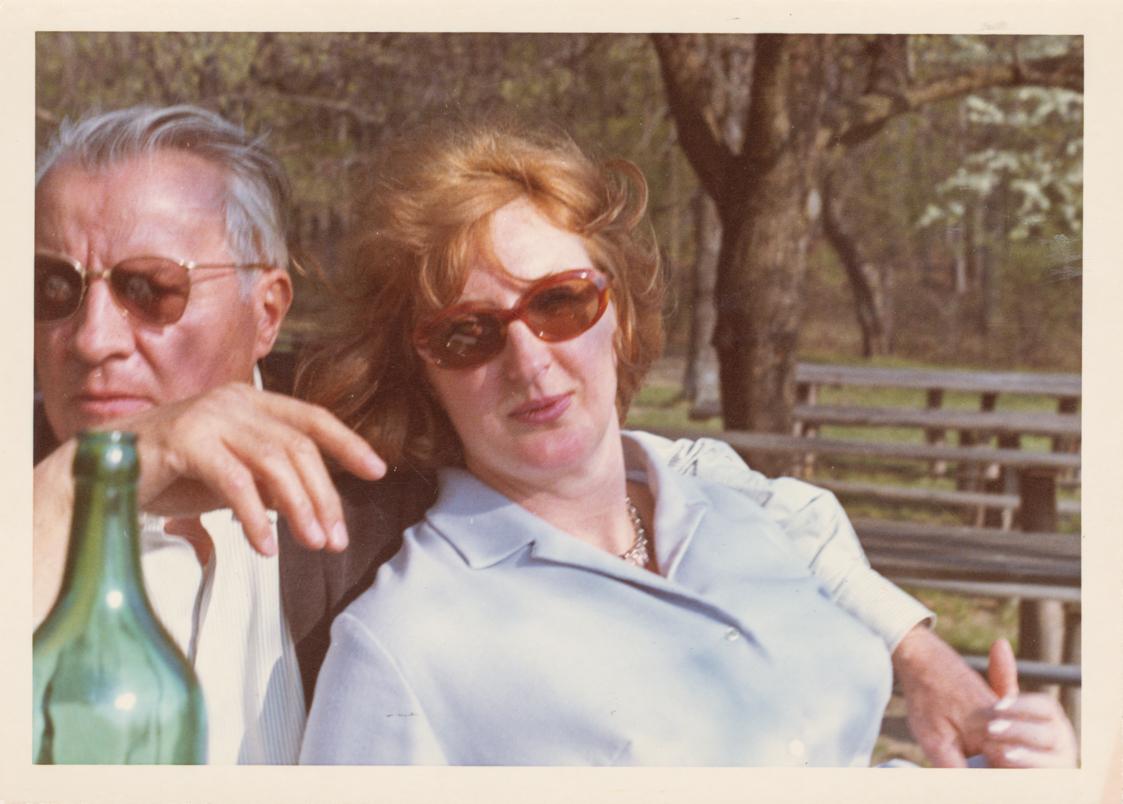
(543, 410)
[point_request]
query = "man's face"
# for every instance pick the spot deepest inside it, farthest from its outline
(101, 364)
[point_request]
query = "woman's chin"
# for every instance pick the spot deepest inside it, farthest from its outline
(548, 455)
(554, 458)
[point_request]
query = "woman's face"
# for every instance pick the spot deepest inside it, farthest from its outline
(537, 410)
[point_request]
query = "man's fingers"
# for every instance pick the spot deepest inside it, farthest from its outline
(250, 449)
(234, 483)
(278, 475)
(332, 436)
(292, 476)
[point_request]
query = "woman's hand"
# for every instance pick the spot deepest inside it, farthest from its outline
(1021, 730)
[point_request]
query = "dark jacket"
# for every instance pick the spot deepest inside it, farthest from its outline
(317, 585)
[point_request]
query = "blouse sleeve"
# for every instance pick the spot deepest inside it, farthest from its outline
(363, 711)
(818, 528)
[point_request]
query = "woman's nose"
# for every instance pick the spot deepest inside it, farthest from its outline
(525, 355)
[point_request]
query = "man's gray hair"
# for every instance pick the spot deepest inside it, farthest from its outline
(257, 190)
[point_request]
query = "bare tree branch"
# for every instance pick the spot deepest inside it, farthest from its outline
(314, 101)
(870, 112)
(684, 62)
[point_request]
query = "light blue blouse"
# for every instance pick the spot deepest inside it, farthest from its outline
(494, 638)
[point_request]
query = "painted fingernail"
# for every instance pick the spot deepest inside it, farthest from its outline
(998, 726)
(339, 536)
(1005, 703)
(269, 544)
(1016, 754)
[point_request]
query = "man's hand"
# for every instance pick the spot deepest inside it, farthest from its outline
(232, 447)
(248, 450)
(941, 694)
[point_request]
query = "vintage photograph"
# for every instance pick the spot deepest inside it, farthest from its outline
(561, 400)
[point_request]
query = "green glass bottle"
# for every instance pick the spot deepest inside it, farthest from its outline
(110, 685)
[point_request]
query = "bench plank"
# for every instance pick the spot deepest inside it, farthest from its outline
(1017, 422)
(746, 442)
(913, 549)
(923, 494)
(1001, 589)
(1029, 670)
(920, 494)
(1066, 385)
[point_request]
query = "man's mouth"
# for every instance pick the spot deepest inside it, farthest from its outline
(102, 407)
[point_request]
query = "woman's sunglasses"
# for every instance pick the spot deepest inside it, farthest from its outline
(153, 290)
(556, 308)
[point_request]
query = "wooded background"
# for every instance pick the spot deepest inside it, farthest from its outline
(900, 198)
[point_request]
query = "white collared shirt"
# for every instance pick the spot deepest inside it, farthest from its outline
(815, 524)
(495, 638)
(226, 618)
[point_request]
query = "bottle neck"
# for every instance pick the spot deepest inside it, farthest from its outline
(103, 562)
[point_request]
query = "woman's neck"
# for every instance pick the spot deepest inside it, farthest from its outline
(588, 503)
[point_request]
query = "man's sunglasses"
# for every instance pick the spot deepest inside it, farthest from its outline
(556, 308)
(153, 290)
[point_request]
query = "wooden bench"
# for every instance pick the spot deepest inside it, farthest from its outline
(983, 491)
(1008, 427)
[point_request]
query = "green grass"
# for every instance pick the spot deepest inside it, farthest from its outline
(661, 405)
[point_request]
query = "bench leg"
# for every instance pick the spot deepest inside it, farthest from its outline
(934, 401)
(1041, 623)
(1041, 636)
(1070, 697)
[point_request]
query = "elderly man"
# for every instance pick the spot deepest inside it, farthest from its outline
(160, 282)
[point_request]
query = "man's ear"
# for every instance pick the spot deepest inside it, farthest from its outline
(272, 297)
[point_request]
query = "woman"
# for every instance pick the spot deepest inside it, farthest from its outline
(568, 600)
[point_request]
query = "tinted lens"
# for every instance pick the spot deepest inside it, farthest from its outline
(153, 289)
(557, 308)
(466, 340)
(58, 288)
(563, 310)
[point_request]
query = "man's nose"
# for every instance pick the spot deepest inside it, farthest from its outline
(525, 355)
(102, 328)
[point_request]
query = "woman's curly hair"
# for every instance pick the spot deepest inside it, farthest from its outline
(421, 225)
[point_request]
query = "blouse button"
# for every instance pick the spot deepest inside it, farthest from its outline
(731, 635)
(796, 748)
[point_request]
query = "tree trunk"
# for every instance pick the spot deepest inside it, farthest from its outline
(700, 380)
(762, 188)
(872, 302)
(766, 224)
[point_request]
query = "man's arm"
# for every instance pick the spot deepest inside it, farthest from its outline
(940, 689)
(232, 447)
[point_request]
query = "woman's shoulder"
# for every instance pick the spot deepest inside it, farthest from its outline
(421, 577)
